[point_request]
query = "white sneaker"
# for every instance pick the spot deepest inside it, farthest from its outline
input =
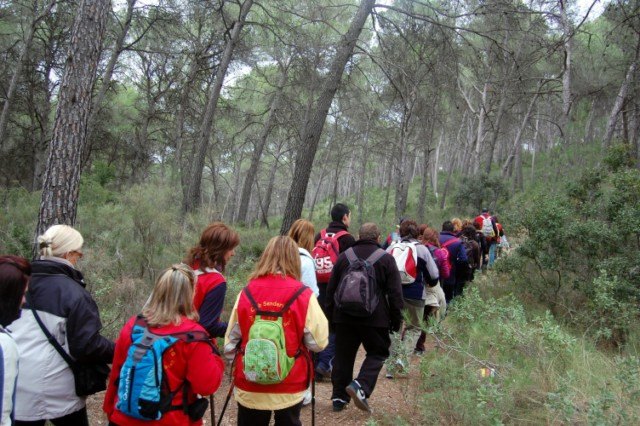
(307, 398)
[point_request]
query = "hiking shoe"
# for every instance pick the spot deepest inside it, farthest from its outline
(357, 394)
(389, 375)
(339, 404)
(307, 398)
(418, 352)
(322, 373)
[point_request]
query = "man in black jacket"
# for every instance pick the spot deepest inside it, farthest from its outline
(340, 221)
(372, 332)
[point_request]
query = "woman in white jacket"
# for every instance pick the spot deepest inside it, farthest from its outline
(302, 233)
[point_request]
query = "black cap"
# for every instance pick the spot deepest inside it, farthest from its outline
(485, 210)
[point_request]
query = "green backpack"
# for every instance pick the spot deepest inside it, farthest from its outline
(265, 359)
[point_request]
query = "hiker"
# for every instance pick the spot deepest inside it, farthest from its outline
(189, 365)
(472, 248)
(208, 259)
(453, 286)
(302, 233)
(394, 236)
(490, 231)
(435, 304)
(325, 255)
(424, 274)
(14, 277)
(457, 225)
(484, 247)
(503, 243)
(372, 331)
(261, 388)
(57, 304)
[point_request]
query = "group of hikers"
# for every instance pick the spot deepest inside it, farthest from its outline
(324, 293)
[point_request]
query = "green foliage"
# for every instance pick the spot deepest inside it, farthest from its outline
(476, 192)
(582, 247)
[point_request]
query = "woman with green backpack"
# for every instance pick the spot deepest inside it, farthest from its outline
(274, 324)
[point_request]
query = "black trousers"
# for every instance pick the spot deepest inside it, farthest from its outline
(286, 417)
(77, 418)
(376, 342)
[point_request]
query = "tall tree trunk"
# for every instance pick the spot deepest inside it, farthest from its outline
(313, 128)
(37, 17)
(620, 99)
(567, 31)
(388, 186)
(588, 128)
(363, 175)
(259, 148)
(192, 194)
(517, 143)
(426, 153)
(108, 73)
(482, 113)
(62, 178)
(496, 131)
(272, 180)
(535, 147)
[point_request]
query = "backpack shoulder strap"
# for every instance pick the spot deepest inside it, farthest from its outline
(449, 242)
(293, 298)
(339, 234)
(351, 255)
(375, 256)
(279, 313)
(323, 233)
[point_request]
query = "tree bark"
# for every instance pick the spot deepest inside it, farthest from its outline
(4, 116)
(108, 73)
(313, 128)
(62, 176)
(272, 180)
(259, 148)
(192, 198)
(622, 95)
(566, 75)
(517, 143)
(496, 131)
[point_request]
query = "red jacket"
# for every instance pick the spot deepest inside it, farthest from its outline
(208, 299)
(271, 293)
(195, 362)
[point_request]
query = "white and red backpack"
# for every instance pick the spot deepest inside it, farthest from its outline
(406, 256)
(325, 253)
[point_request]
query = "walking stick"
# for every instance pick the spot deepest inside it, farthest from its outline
(212, 402)
(226, 401)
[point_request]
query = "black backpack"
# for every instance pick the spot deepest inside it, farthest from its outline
(358, 294)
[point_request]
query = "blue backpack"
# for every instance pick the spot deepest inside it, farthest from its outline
(143, 391)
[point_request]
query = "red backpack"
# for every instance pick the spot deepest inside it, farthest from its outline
(325, 253)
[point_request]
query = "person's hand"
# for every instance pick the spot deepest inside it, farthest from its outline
(395, 326)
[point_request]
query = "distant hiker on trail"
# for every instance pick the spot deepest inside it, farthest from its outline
(302, 233)
(277, 307)
(208, 259)
(164, 342)
(457, 225)
(362, 320)
(329, 243)
(504, 243)
(435, 304)
(472, 248)
(484, 246)
(490, 231)
(394, 236)
(14, 277)
(454, 285)
(57, 304)
(418, 271)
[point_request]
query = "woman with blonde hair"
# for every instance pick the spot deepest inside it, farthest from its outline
(302, 233)
(208, 259)
(57, 304)
(190, 367)
(274, 289)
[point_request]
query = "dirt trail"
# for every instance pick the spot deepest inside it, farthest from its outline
(390, 399)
